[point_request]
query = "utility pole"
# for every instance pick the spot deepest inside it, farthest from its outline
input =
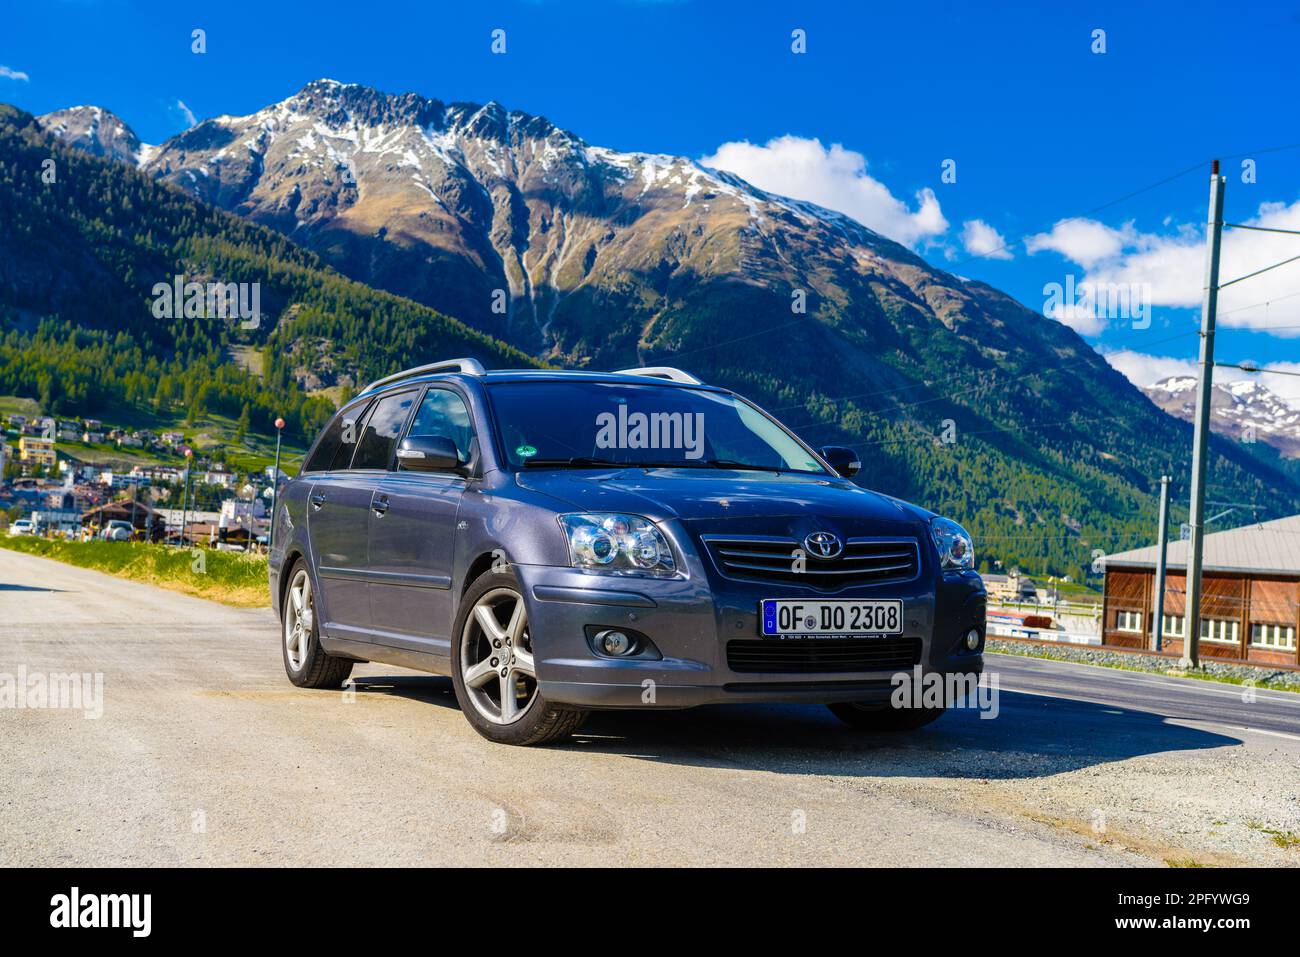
(1201, 436)
(1158, 626)
(185, 502)
(275, 484)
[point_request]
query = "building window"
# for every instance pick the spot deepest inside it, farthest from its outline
(1174, 626)
(1128, 621)
(1272, 636)
(1217, 629)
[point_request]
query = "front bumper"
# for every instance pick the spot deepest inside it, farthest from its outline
(690, 621)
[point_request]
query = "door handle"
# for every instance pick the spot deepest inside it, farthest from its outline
(380, 504)
(317, 501)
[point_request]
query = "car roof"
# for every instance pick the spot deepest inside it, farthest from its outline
(493, 376)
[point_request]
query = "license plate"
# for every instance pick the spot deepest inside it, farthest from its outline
(840, 616)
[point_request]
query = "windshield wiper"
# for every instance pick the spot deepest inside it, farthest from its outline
(585, 461)
(744, 466)
(710, 464)
(574, 462)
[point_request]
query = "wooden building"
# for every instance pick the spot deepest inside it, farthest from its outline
(1250, 602)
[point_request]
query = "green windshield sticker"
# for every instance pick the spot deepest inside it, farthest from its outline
(525, 451)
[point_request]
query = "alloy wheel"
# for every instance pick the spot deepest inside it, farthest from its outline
(496, 657)
(298, 620)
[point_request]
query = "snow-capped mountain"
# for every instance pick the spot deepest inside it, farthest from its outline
(1243, 410)
(575, 251)
(590, 256)
(98, 132)
(447, 203)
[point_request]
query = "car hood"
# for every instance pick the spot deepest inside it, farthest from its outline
(713, 495)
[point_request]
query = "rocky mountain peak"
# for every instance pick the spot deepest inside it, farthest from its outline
(1245, 410)
(342, 104)
(98, 132)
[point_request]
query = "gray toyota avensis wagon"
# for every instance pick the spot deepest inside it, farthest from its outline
(559, 542)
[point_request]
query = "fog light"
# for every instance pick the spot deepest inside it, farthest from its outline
(972, 639)
(615, 643)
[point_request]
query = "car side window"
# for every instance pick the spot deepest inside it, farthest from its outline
(353, 426)
(378, 438)
(443, 414)
(334, 450)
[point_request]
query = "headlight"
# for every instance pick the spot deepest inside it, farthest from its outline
(618, 544)
(956, 550)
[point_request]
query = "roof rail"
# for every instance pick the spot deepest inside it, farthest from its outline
(663, 372)
(467, 366)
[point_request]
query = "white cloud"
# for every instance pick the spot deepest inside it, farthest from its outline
(1083, 320)
(981, 239)
(836, 178)
(1144, 370)
(1172, 265)
(1287, 387)
(1084, 241)
(9, 73)
(186, 112)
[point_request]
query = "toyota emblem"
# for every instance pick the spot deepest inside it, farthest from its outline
(823, 545)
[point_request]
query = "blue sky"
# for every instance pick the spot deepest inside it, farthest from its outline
(1040, 127)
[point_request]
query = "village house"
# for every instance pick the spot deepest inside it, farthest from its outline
(113, 479)
(36, 451)
(1013, 587)
(218, 475)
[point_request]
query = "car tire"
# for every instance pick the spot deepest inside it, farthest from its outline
(305, 662)
(489, 639)
(869, 718)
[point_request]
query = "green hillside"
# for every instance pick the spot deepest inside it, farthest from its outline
(79, 260)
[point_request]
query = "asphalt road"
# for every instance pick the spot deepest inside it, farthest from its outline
(206, 755)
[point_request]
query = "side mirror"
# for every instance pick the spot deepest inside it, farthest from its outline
(844, 461)
(427, 453)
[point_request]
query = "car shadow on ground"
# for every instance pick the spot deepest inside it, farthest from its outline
(1031, 736)
(7, 586)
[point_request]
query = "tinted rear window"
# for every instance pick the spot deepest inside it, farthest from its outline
(333, 452)
(379, 437)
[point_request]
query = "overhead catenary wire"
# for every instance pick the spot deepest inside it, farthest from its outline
(1262, 229)
(1257, 272)
(1252, 367)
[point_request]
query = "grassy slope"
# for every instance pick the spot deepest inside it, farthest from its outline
(87, 256)
(17, 405)
(231, 578)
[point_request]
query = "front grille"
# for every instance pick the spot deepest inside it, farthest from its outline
(823, 655)
(865, 561)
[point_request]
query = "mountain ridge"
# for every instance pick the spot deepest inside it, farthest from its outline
(1244, 410)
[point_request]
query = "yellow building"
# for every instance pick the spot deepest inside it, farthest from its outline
(36, 451)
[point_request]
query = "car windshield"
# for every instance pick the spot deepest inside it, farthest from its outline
(586, 424)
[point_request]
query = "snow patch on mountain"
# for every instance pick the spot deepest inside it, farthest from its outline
(1244, 409)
